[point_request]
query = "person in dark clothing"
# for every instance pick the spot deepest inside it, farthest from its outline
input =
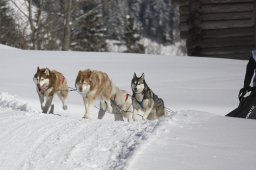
(250, 70)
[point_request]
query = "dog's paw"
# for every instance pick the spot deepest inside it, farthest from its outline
(110, 109)
(85, 117)
(52, 109)
(144, 118)
(65, 107)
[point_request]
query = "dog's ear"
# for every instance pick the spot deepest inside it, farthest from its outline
(47, 71)
(143, 76)
(92, 77)
(38, 69)
(134, 75)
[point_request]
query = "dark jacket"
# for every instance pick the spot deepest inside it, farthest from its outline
(251, 66)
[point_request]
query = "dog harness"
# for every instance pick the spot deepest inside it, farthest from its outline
(126, 97)
(140, 103)
(42, 91)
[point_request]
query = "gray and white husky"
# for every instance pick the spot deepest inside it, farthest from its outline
(144, 99)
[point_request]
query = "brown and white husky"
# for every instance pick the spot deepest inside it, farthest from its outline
(93, 85)
(48, 83)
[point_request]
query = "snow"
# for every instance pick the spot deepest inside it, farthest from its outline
(195, 135)
(195, 140)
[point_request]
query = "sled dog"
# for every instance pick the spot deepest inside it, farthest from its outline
(93, 85)
(144, 99)
(121, 102)
(48, 83)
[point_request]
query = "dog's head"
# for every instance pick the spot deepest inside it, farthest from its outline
(42, 78)
(84, 81)
(138, 83)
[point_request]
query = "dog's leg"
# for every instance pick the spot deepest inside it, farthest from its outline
(109, 107)
(63, 100)
(52, 109)
(47, 104)
(146, 113)
(118, 117)
(85, 107)
(41, 99)
(129, 116)
(102, 110)
(149, 106)
(135, 109)
(126, 110)
(134, 114)
(90, 105)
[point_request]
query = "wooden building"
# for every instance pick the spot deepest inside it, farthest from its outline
(218, 28)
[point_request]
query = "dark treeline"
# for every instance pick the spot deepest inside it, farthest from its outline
(85, 25)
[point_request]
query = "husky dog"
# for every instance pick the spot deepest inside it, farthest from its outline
(144, 99)
(93, 85)
(48, 83)
(121, 102)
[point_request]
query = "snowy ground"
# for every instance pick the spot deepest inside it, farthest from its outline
(195, 136)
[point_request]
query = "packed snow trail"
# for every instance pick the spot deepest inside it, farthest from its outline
(31, 140)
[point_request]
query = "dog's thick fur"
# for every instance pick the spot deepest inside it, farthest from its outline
(93, 85)
(144, 99)
(121, 102)
(48, 83)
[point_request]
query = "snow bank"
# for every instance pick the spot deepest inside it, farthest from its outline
(10, 102)
(176, 49)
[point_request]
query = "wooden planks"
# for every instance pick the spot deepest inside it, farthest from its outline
(224, 1)
(226, 16)
(226, 24)
(217, 8)
(219, 27)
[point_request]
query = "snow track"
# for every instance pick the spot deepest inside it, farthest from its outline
(31, 140)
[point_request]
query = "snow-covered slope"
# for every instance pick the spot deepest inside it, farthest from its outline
(195, 136)
(197, 140)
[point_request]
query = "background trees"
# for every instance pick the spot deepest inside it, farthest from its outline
(9, 32)
(85, 25)
(132, 37)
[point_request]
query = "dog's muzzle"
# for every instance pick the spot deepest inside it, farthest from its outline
(38, 87)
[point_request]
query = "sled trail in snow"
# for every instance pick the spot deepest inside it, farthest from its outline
(39, 141)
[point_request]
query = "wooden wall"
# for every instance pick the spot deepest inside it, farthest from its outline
(218, 28)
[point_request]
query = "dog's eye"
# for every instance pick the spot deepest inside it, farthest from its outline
(82, 82)
(42, 79)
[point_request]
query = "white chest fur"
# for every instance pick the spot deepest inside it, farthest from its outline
(139, 97)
